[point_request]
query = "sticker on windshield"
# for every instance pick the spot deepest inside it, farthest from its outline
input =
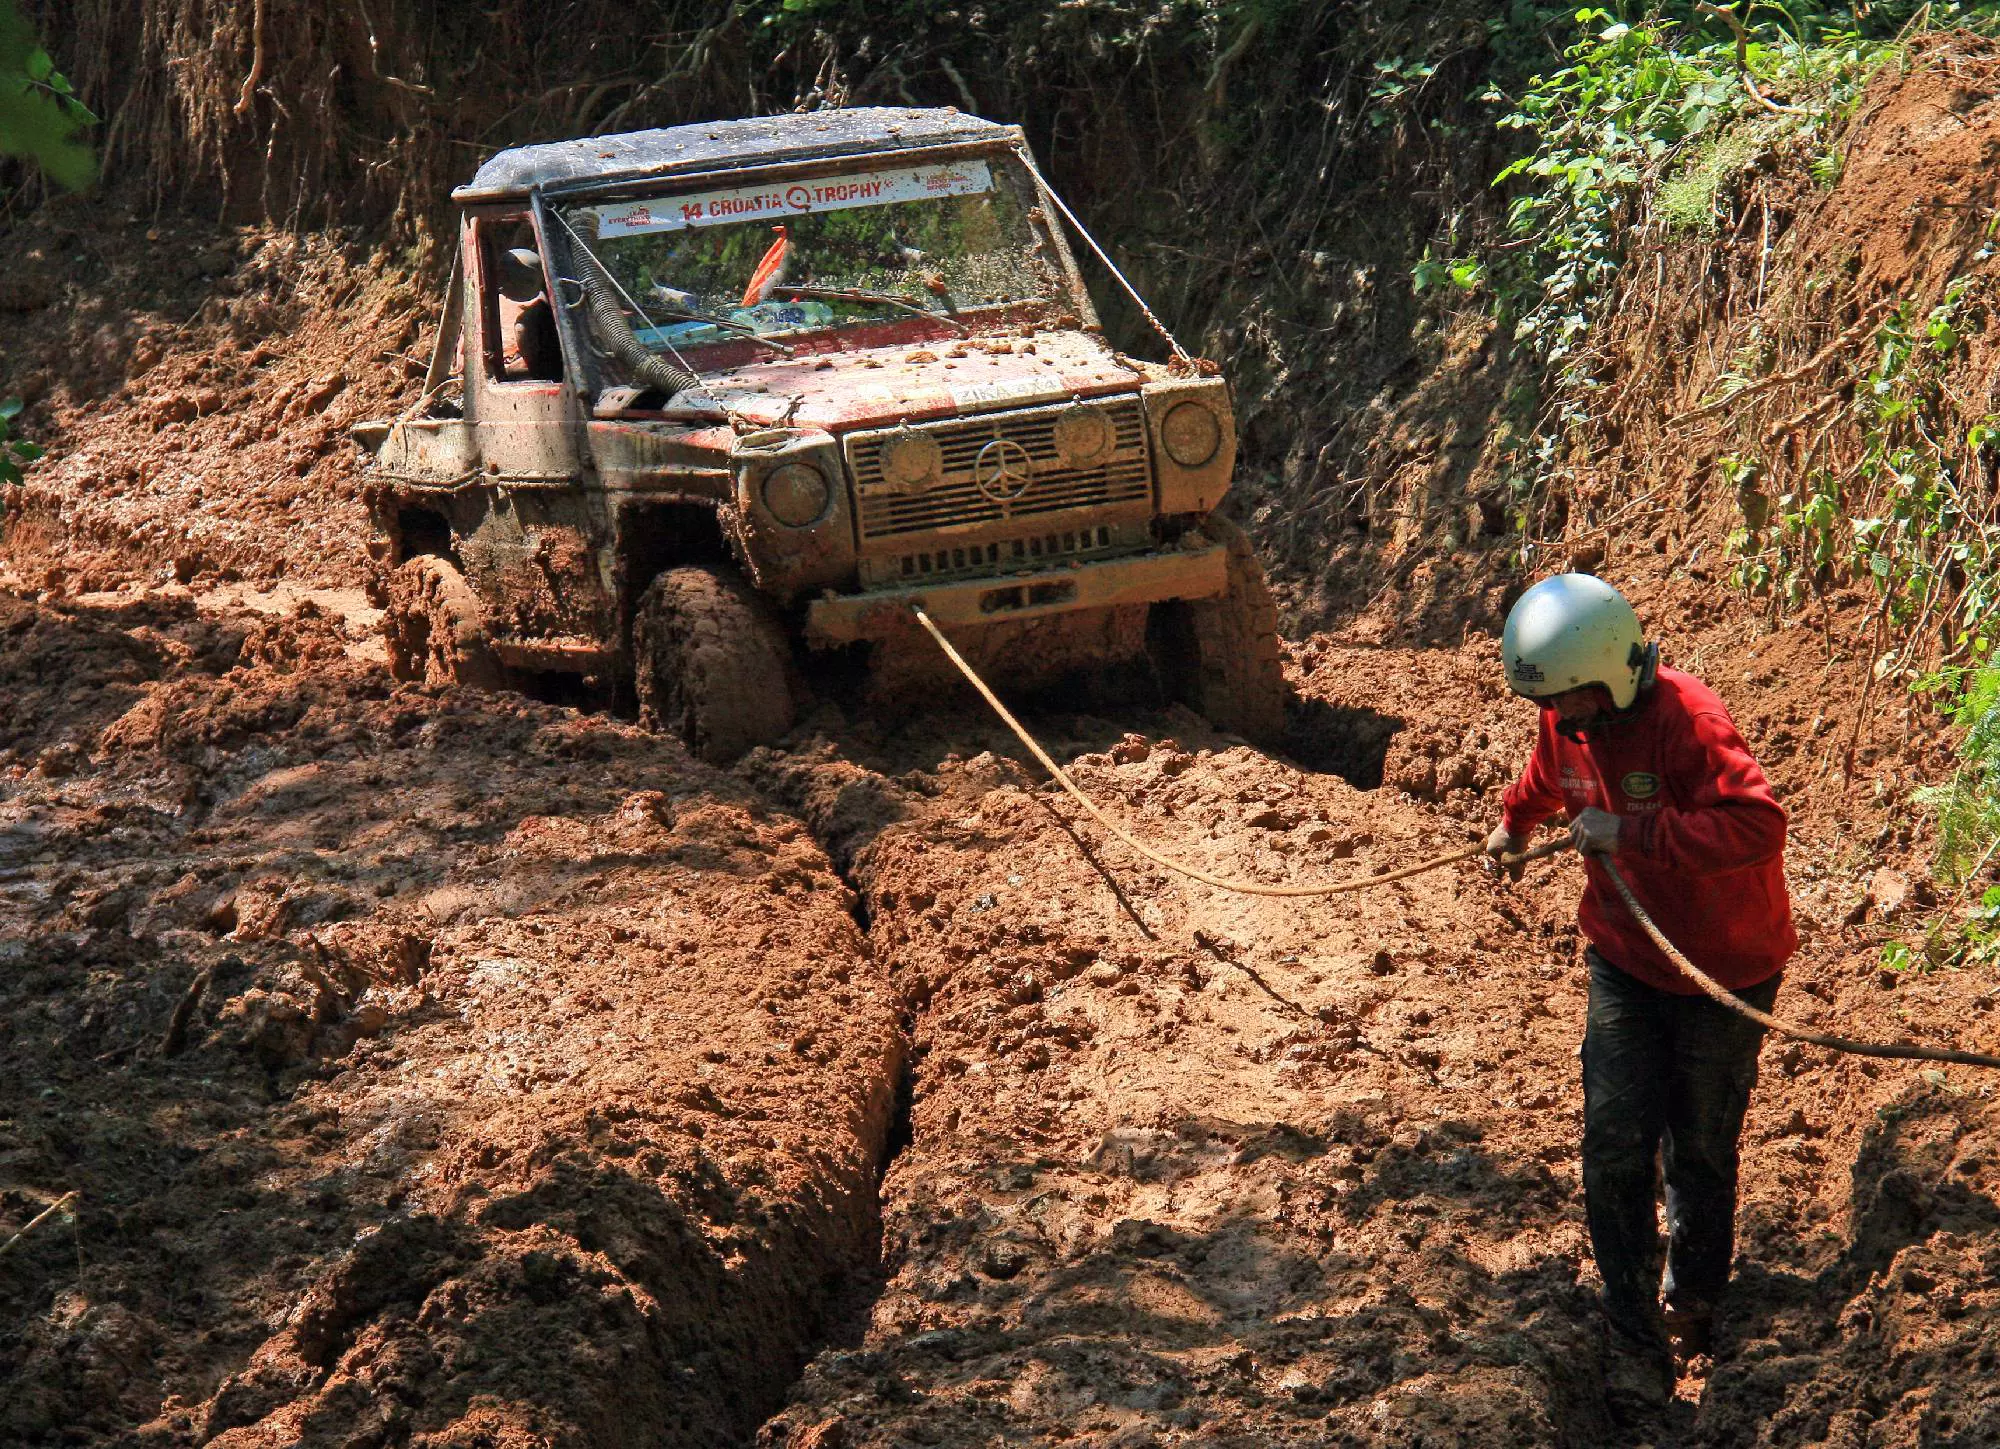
(797, 198)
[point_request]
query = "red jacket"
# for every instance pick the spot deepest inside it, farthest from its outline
(1701, 837)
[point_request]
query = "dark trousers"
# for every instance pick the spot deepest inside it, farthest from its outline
(1666, 1079)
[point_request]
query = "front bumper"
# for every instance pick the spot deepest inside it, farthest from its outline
(1180, 573)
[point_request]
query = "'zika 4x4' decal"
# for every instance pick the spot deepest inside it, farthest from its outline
(797, 198)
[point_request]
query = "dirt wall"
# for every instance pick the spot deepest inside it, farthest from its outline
(1741, 372)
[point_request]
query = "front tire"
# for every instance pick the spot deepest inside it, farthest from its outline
(435, 629)
(1220, 656)
(711, 664)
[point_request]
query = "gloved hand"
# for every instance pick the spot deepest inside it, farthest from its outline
(1499, 844)
(1594, 832)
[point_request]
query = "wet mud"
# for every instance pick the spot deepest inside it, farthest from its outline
(458, 1070)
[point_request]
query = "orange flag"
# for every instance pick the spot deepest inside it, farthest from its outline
(770, 271)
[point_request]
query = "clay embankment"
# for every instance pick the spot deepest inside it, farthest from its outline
(194, 385)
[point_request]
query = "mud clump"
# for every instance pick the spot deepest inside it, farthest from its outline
(433, 1068)
(194, 385)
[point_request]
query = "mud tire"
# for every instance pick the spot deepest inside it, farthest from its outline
(711, 664)
(435, 629)
(1220, 656)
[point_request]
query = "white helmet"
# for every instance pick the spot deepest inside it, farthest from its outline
(1573, 630)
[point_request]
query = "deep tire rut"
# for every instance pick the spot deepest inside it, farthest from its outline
(1105, 1221)
(539, 1091)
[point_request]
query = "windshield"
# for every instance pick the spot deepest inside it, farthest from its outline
(947, 246)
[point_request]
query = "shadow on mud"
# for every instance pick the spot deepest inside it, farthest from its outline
(69, 672)
(1827, 1353)
(1183, 1330)
(1338, 739)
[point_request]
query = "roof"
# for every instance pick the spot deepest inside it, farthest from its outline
(592, 161)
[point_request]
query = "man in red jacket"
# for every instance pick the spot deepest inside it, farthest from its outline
(1647, 766)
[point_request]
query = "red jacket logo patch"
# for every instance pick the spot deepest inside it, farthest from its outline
(1640, 786)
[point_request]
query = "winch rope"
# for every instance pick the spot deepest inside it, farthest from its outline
(1192, 872)
(1110, 266)
(1709, 986)
(1721, 994)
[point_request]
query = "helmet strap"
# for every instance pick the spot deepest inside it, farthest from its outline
(1649, 671)
(1576, 730)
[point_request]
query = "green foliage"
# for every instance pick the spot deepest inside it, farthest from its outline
(1968, 820)
(1462, 274)
(40, 115)
(1968, 938)
(1913, 530)
(1968, 806)
(1396, 79)
(1686, 199)
(1909, 514)
(15, 453)
(1636, 102)
(1652, 118)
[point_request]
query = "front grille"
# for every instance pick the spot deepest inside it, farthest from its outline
(952, 501)
(1007, 555)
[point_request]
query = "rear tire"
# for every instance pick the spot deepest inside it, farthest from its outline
(1220, 656)
(711, 664)
(435, 629)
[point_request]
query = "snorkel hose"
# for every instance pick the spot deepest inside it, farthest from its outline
(614, 333)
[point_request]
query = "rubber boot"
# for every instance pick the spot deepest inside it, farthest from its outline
(1638, 1378)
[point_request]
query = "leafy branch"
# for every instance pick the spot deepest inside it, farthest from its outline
(40, 115)
(15, 453)
(1632, 103)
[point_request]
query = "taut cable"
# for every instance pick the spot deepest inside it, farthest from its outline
(1708, 984)
(1242, 887)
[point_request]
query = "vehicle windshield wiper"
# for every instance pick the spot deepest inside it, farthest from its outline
(885, 299)
(689, 314)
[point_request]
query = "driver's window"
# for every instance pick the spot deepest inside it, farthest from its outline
(521, 341)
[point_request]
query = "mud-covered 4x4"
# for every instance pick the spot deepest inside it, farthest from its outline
(705, 392)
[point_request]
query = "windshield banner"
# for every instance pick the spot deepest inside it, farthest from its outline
(795, 198)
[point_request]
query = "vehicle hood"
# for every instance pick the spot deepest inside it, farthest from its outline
(881, 385)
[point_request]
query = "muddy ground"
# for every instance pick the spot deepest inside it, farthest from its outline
(463, 1070)
(433, 1069)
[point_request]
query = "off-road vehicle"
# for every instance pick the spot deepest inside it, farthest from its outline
(702, 394)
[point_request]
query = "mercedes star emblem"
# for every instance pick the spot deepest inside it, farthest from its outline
(1003, 470)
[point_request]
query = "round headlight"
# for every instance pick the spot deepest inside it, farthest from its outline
(796, 494)
(1191, 434)
(910, 459)
(1082, 436)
